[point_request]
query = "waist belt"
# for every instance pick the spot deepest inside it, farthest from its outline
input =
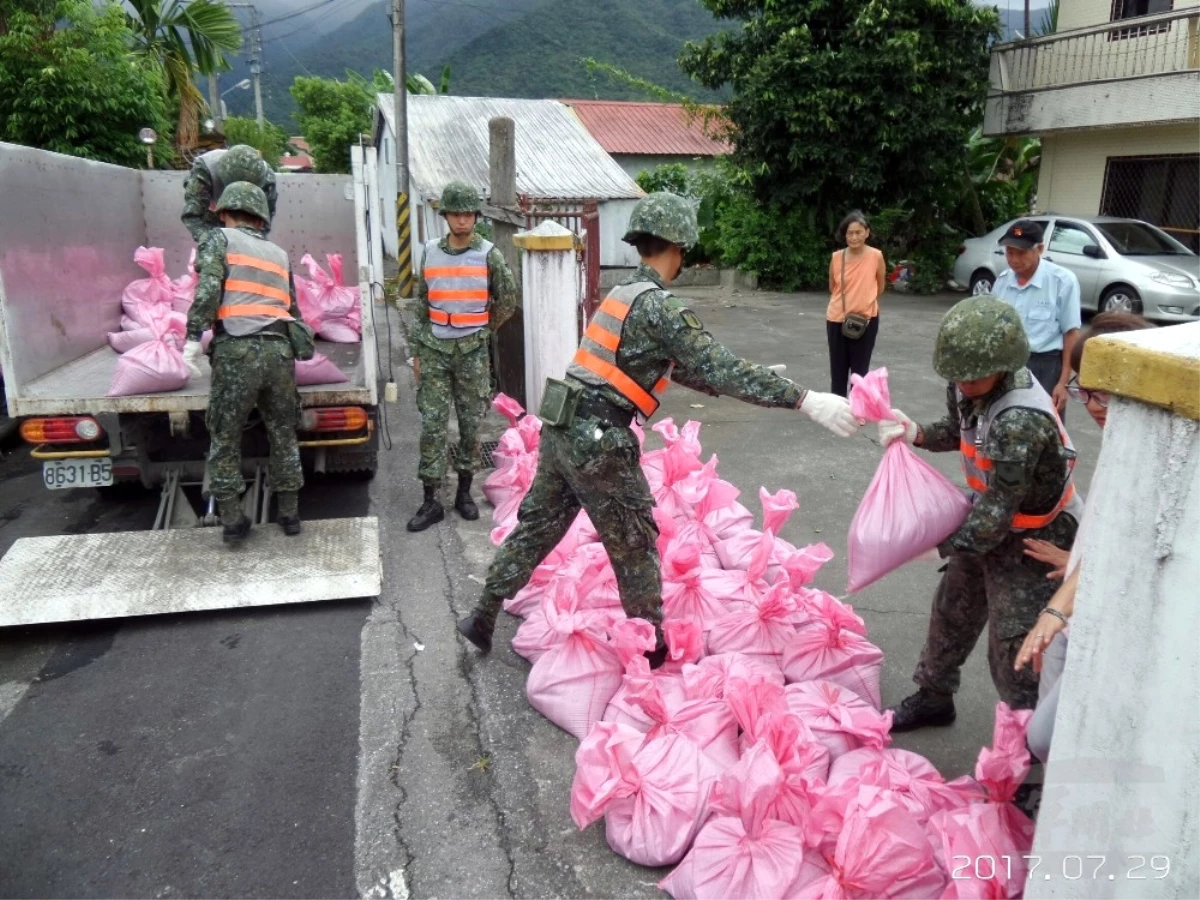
(593, 406)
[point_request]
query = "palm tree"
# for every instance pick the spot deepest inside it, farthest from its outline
(186, 39)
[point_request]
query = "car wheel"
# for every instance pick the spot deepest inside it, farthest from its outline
(982, 282)
(1121, 298)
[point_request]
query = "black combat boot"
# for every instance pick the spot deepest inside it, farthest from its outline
(923, 708)
(475, 628)
(430, 513)
(462, 500)
(289, 512)
(236, 533)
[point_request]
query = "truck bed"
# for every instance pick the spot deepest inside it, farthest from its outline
(79, 387)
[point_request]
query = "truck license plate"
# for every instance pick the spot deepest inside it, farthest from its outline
(59, 474)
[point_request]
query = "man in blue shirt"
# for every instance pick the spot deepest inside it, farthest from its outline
(1047, 297)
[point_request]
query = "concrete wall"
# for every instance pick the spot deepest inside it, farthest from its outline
(633, 163)
(1072, 169)
(1122, 784)
(1082, 13)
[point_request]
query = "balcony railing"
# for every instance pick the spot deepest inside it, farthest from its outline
(1160, 44)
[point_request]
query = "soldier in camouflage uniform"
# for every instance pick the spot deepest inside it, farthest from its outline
(1018, 460)
(211, 173)
(247, 296)
(589, 458)
(464, 293)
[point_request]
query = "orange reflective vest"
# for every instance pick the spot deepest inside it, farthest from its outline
(595, 361)
(458, 290)
(977, 467)
(257, 286)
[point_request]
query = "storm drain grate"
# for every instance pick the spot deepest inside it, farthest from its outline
(486, 449)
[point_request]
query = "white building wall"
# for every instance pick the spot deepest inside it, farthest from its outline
(614, 221)
(633, 163)
(1071, 181)
(1082, 13)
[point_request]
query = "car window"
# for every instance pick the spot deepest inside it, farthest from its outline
(1071, 239)
(1140, 239)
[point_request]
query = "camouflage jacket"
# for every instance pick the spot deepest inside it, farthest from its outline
(212, 271)
(1030, 464)
(502, 294)
(660, 329)
(198, 217)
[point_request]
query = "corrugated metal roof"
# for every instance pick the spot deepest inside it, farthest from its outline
(556, 157)
(653, 129)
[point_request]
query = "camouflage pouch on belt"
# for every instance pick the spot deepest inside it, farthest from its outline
(559, 402)
(301, 338)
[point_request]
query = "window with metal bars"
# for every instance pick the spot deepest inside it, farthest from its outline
(1133, 9)
(1161, 190)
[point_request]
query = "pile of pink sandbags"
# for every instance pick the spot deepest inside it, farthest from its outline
(756, 759)
(153, 328)
(327, 305)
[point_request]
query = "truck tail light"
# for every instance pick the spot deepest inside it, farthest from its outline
(62, 430)
(334, 418)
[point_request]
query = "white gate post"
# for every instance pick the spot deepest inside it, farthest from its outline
(550, 287)
(1123, 781)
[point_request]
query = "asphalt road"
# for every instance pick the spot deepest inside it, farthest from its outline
(355, 747)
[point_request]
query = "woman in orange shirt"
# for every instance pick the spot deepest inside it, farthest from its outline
(857, 277)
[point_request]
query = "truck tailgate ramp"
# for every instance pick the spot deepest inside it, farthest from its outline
(103, 576)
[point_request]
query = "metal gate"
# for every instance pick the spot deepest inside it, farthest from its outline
(582, 216)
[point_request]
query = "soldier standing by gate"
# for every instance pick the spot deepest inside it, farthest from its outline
(246, 289)
(464, 293)
(211, 173)
(1018, 460)
(641, 338)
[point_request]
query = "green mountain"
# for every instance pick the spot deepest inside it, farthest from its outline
(516, 48)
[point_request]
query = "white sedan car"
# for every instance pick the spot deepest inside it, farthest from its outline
(1121, 264)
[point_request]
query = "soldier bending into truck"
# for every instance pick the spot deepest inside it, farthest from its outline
(640, 338)
(247, 296)
(465, 291)
(211, 172)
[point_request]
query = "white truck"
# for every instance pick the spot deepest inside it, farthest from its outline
(68, 231)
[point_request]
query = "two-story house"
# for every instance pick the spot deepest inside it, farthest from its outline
(1114, 94)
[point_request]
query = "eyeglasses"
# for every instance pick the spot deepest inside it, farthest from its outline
(1075, 392)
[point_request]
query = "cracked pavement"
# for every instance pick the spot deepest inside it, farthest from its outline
(361, 747)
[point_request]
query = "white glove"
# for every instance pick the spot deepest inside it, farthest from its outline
(901, 428)
(192, 351)
(831, 411)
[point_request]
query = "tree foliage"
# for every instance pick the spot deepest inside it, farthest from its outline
(185, 39)
(841, 104)
(332, 114)
(271, 141)
(75, 88)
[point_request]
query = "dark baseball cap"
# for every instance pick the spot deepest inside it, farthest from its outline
(1024, 234)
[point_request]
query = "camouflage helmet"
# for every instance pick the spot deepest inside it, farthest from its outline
(242, 196)
(460, 197)
(663, 215)
(241, 162)
(978, 337)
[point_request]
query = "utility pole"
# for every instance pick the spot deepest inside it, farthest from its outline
(508, 344)
(214, 102)
(256, 62)
(404, 260)
(1028, 24)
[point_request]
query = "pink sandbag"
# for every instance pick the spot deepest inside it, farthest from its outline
(824, 650)
(838, 717)
(713, 676)
(652, 792)
(183, 289)
(907, 777)
(762, 713)
(149, 368)
(736, 552)
(742, 853)
(572, 683)
(691, 590)
(995, 868)
(337, 314)
(876, 849)
(318, 370)
(142, 296)
(801, 566)
(508, 407)
(538, 634)
(761, 627)
(553, 568)
(909, 507)
(157, 323)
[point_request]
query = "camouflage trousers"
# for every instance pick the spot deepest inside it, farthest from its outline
(250, 372)
(595, 468)
(459, 379)
(1003, 591)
